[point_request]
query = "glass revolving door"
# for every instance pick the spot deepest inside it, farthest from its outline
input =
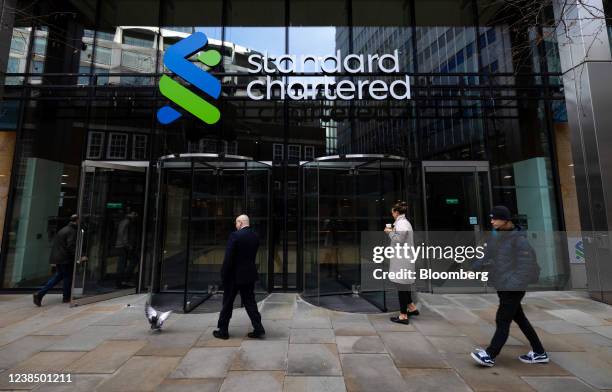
(199, 197)
(343, 197)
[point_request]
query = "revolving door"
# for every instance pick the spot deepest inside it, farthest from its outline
(343, 198)
(199, 196)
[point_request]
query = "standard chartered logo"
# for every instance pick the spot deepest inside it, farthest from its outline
(176, 60)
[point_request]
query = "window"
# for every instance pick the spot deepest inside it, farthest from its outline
(293, 152)
(137, 61)
(103, 55)
(18, 45)
(277, 152)
(135, 39)
(117, 146)
(13, 65)
(37, 66)
(40, 46)
(95, 141)
(309, 153)
(139, 147)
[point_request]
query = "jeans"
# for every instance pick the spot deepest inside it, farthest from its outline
(510, 309)
(63, 273)
(247, 294)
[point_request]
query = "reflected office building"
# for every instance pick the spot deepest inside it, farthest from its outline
(99, 118)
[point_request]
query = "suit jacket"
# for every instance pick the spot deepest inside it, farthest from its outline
(239, 262)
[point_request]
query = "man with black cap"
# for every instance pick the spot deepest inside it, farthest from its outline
(512, 265)
(62, 255)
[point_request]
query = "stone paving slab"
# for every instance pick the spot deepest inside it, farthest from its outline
(314, 384)
(21, 349)
(371, 372)
(72, 324)
(205, 362)
(587, 367)
(434, 380)
(107, 357)
(409, 349)
(80, 383)
(557, 384)
(86, 339)
(479, 378)
(190, 385)
(604, 330)
(42, 362)
(140, 373)
(559, 326)
(169, 343)
(316, 335)
(360, 345)
(241, 381)
(578, 317)
(313, 360)
(262, 355)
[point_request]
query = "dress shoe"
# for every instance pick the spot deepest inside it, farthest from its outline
(256, 334)
(413, 313)
(220, 334)
(37, 299)
(398, 320)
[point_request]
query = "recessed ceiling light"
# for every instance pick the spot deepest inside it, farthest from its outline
(506, 177)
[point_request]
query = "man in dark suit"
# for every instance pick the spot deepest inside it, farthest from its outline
(238, 275)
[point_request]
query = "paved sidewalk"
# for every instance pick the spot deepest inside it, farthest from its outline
(108, 347)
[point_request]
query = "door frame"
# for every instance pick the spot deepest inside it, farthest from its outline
(88, 166)
(456, 167)
(474, 167)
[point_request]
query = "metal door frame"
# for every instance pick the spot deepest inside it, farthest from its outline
(473, 167)
(88, 166)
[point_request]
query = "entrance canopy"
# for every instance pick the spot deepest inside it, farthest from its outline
(199, 197)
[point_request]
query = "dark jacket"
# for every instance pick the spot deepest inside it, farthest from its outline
(64, 245)
(239, 262)
(510, 260)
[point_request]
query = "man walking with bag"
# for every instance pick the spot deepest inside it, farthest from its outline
(62, 255)
(512, 265)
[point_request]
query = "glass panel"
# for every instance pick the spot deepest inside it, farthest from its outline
(126, 42)
(258, 209)
(310, 247)
(112, 206)
(343, 199)
(207, 235)
(176, 189)
(454, 218)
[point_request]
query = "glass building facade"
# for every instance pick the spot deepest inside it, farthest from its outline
(80, 91)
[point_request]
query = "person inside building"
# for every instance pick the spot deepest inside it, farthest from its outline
(401, 233)
(127, 248)
(62, 256)
(238, 275)
(512, 265)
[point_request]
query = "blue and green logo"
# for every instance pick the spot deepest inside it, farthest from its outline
(176, 60)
